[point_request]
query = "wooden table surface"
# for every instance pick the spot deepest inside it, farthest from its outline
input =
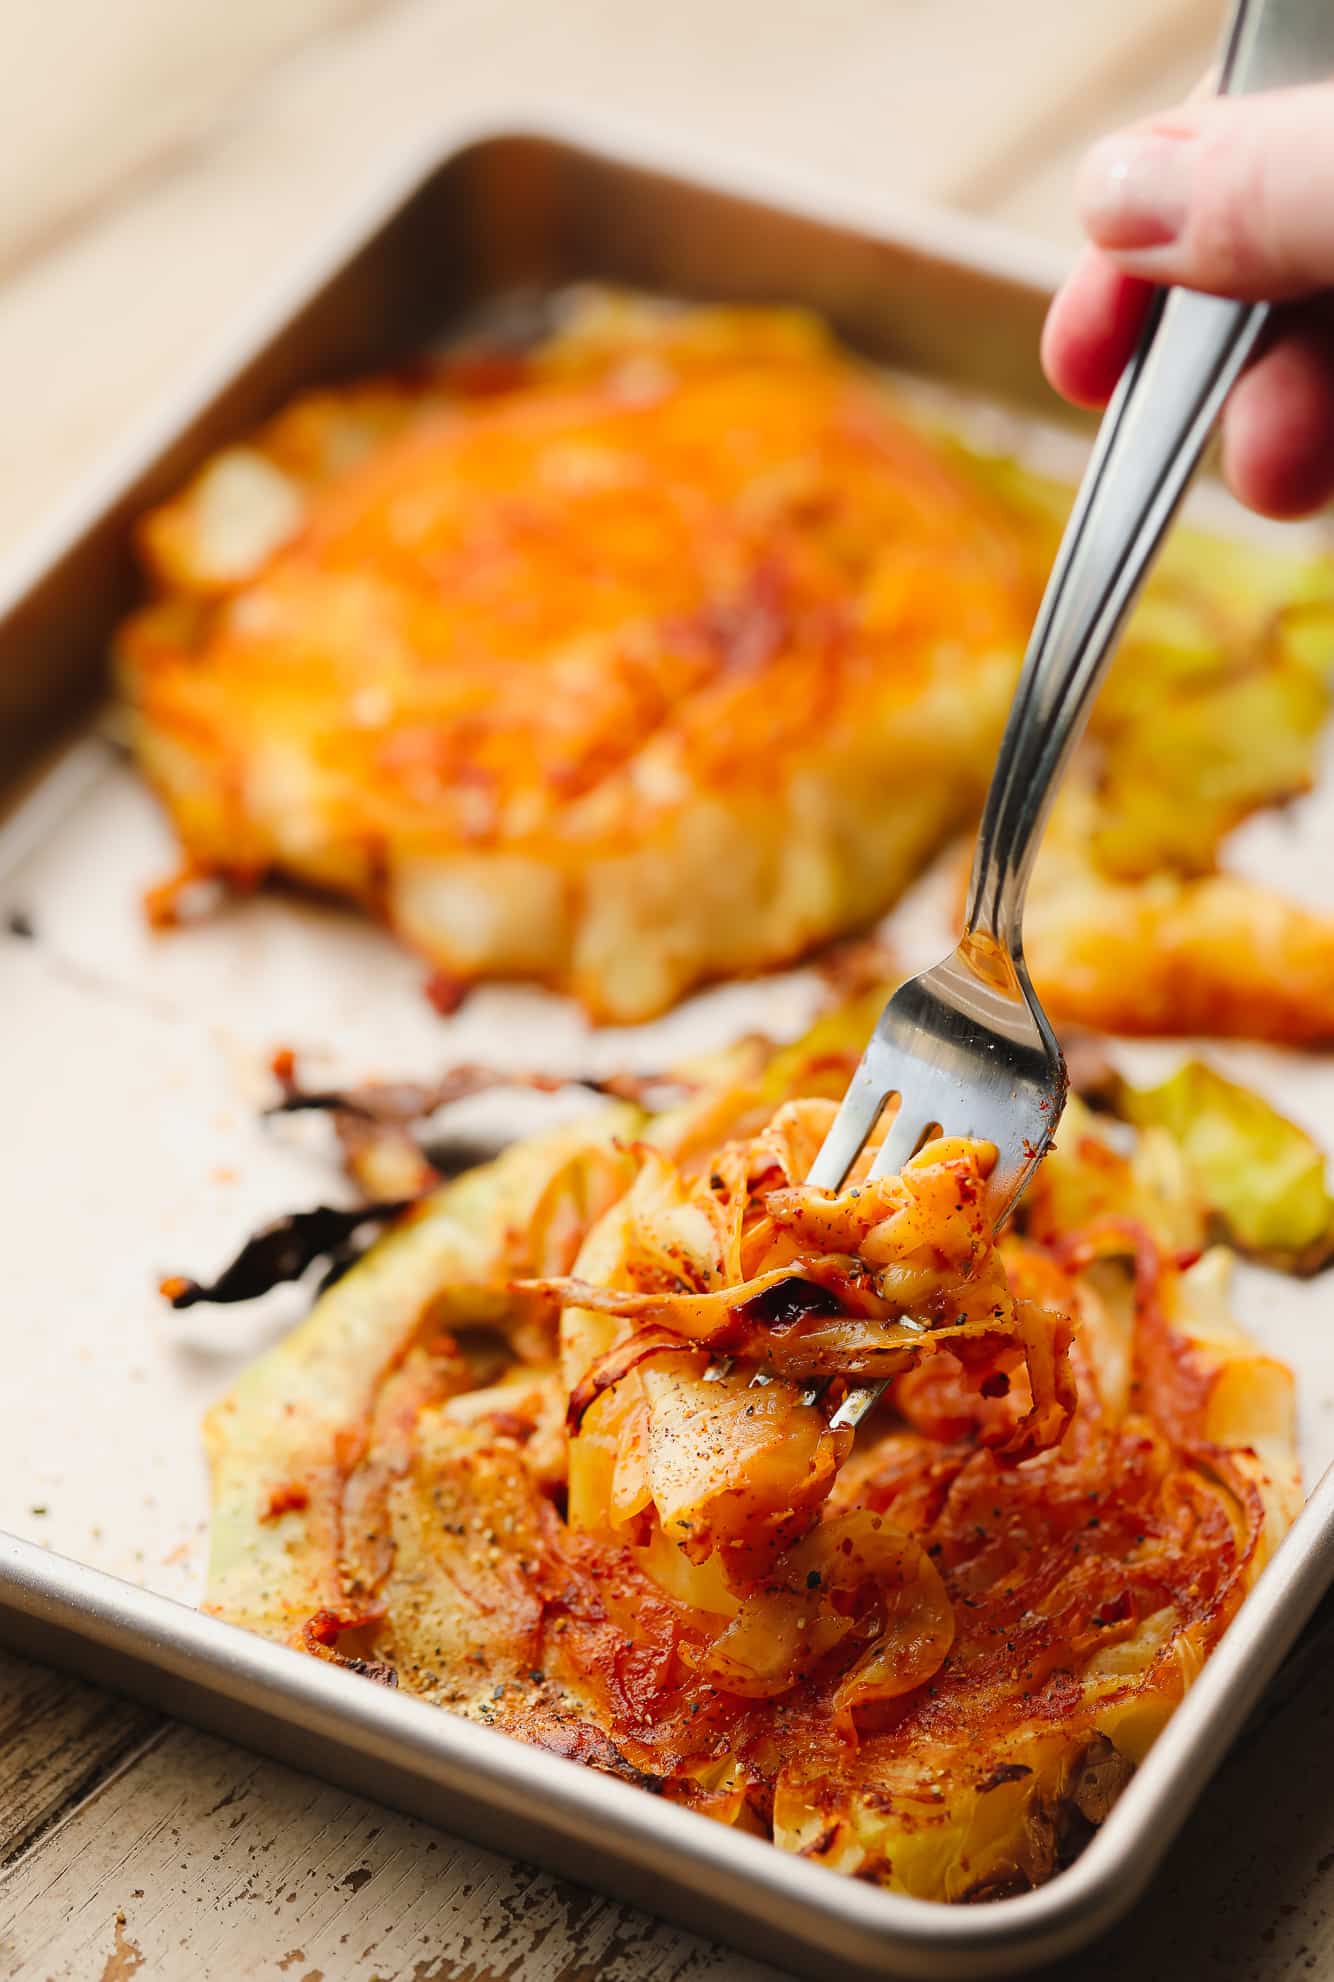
(163, 159)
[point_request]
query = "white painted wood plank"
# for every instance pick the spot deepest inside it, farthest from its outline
(923, 100)
(92, 96)
(207, 1863)
(1036, 193)
(224, 1866)
(58, 1740)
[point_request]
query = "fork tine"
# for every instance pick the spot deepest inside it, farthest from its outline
(810, 1394)
(859, 1400)
(858, 1113)
(904, 1134)
(901, 1140)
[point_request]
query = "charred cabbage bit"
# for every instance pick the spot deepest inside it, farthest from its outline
(285, 1250)
(753, 595)
(1264, 1176)
(499, 1463)
(322, 1636)
(384, 1128)
(403, 1103)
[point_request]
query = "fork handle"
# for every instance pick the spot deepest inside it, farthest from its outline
(1154, 431)
(1152, 436)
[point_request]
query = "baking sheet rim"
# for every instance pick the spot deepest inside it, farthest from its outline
(942, 233)
(873, 1928)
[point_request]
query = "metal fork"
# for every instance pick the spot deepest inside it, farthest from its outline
(966, 1047)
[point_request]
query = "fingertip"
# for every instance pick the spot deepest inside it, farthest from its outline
(1278, 428)
(1061, 352)
(1091, 329)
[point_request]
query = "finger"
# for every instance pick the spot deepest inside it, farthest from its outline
(1091, 329)
(1278, 428)
(1234, 195)
(1095, 318)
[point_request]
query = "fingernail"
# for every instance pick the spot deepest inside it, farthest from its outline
(1133, 191)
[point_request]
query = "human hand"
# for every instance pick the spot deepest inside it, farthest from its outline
(1234, 195)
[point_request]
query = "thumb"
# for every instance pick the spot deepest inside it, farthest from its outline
(1233, 195)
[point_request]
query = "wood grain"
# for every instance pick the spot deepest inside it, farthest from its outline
(59, 1741)
(224, 1866)
(94, 99)
(206, 1862)
(951, 100)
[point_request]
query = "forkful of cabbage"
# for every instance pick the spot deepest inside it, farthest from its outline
(965, 1049)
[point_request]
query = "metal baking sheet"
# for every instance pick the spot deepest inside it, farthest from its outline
(135, 1063)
